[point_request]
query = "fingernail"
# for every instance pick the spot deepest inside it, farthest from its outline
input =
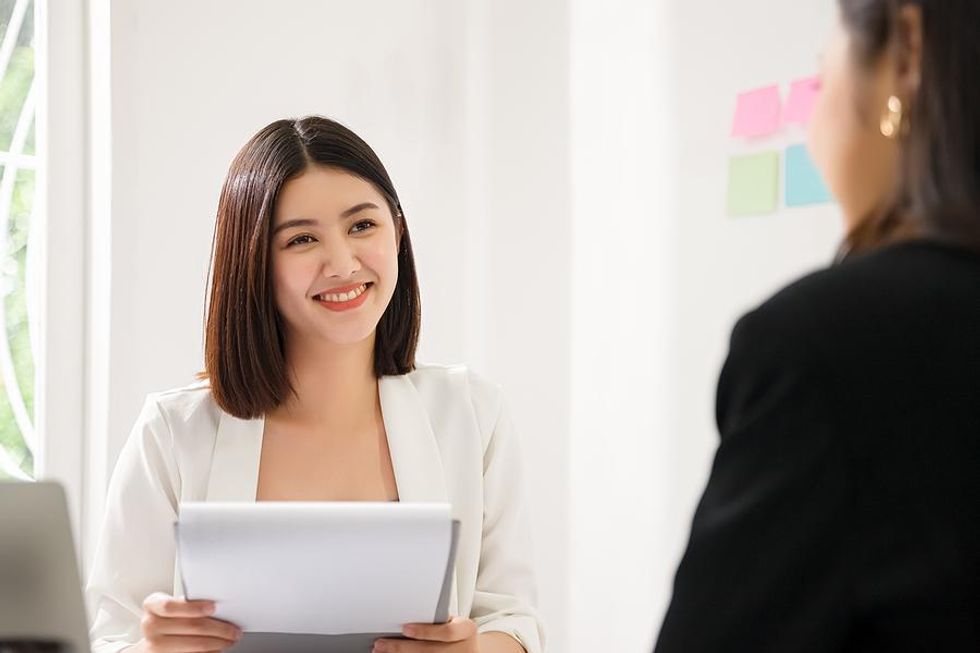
(380, 647)
(410, 631)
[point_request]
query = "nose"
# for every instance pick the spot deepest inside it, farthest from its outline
(339, 259)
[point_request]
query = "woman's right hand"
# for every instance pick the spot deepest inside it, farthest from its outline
(172, 625)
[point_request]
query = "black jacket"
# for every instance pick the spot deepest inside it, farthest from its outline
(843, 508)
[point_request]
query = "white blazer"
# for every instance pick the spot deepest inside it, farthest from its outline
(450, 440)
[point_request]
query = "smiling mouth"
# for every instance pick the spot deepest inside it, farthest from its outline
(342, 301)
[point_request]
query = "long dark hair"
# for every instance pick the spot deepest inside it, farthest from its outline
(244, 353)
(938, 194)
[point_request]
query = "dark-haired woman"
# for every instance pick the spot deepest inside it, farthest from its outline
(843, 509)
(312, 393)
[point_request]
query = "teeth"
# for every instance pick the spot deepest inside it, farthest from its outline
(344, 296)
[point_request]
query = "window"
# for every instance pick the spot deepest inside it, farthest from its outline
(18, 292)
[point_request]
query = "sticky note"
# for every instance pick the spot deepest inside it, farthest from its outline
(804, 184)
(802, 98)
(757, 113)
(753, 183)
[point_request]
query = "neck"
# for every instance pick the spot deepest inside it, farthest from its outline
(335, 384)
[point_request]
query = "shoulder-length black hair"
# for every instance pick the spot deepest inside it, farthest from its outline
(243, 343)
(938, 194)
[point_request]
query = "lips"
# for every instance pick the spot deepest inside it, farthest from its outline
(344, 299)
(340, 295)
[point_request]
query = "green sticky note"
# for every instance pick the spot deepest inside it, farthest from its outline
(753, 184)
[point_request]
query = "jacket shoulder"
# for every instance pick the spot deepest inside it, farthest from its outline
(457, 387)
(186, 411)
(870, 299)
(887, 276)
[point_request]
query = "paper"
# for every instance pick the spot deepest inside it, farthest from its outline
(757, 113)
(316, 568)
(802, 98)
(753, 184)
(804, 184)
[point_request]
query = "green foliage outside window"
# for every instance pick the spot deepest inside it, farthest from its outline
(14, 90)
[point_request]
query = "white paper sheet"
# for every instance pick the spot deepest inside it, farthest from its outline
(317, 568)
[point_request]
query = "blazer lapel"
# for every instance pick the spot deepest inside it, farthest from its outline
(235, 463)
(415, 456)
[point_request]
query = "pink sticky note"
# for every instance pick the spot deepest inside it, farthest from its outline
(757, 113)
(802, 97)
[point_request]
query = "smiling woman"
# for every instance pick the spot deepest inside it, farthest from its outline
(311, 393)
(291, 182)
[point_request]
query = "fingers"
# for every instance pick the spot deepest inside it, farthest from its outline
(172, 625)
(457, 635)
(408, 646)
(199, 627)
(186, 644)
(456, 629)
(164, 605)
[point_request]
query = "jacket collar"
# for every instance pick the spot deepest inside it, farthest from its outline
(414, 453)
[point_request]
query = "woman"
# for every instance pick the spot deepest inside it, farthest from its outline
(312, 393)
(843, 508)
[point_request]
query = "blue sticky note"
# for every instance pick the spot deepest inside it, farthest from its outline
(804, 184)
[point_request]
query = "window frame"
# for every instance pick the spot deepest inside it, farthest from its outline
(61, 206)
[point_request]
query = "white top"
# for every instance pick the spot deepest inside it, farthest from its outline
(450, 440)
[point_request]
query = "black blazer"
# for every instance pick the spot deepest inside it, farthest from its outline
(843, 508)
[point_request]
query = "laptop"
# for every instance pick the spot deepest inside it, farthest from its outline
(41, 604)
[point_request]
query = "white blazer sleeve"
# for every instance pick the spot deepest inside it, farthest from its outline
(135, 554)
(506, 588)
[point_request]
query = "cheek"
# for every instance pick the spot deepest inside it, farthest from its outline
(290, 281)
(381, 257)
(835, 132)
(824, 134)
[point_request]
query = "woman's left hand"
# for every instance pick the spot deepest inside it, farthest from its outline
(458, 635)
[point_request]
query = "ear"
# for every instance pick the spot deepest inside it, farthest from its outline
(908, 50)
(399, 219)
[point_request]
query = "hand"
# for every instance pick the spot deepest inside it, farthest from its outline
(172, 625)
(456, 636)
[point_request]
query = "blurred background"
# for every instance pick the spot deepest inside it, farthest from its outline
(572, 172)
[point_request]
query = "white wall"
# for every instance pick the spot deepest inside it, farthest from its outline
(622, 282)
(528, 250)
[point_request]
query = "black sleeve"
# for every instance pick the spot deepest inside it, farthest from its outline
(767, 565)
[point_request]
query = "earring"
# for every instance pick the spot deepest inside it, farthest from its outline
(891, 121)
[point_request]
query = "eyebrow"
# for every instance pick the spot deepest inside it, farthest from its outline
(358, 208)
(299, 222)
(308, 222)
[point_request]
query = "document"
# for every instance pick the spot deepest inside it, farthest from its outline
(352, 570)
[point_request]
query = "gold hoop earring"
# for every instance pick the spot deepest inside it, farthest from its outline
(892, 121)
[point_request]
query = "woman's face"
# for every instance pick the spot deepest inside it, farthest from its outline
(859, 164)
(334, 256)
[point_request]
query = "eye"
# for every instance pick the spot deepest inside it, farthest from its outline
(362, 225)
(303, 239)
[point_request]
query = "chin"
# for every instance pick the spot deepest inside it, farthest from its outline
(347, 337)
